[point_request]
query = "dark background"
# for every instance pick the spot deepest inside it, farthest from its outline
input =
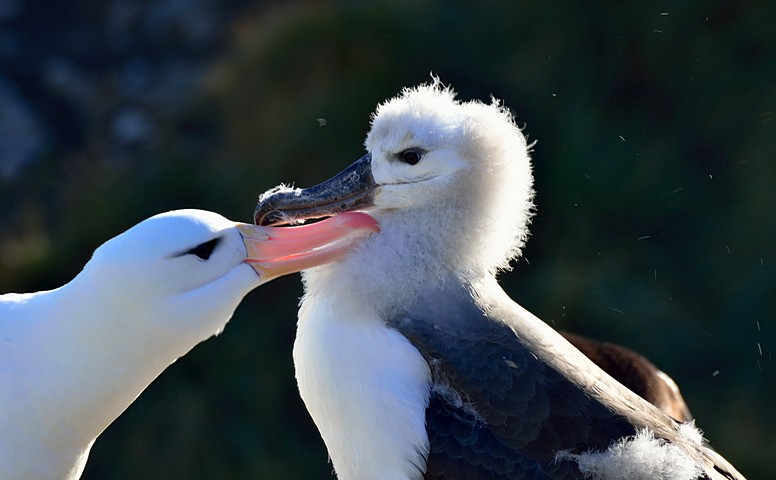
(654, 170)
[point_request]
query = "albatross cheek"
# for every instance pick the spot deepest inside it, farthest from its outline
(398, 196)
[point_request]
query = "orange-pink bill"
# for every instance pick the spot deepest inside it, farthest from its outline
(277, 251)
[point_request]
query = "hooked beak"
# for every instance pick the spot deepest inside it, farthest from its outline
(274, 252)
(351, 189)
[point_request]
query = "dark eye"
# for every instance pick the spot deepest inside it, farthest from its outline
(411, 156)
(204, 250)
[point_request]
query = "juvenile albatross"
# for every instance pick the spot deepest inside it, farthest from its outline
(414, 363)
(72, 359)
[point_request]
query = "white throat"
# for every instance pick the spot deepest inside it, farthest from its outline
(69, 383)
(74, 365)
(364, 384)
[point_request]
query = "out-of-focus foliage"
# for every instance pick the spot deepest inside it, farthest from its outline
(654, 171)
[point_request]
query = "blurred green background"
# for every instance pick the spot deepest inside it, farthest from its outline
(654, 170)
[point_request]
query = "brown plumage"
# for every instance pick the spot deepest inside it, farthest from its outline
(637, 373)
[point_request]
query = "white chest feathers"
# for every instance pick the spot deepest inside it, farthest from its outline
(366, 387)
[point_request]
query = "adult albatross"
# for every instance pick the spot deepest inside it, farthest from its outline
(414, 363)
(72, 359)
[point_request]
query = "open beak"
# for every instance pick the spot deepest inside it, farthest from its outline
(351, 189)
(274, 252)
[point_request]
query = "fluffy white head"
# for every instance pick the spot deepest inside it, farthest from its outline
(462, 208)
(473, 176)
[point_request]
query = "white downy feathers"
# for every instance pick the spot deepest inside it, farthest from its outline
(640, 457)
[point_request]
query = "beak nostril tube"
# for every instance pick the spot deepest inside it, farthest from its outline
(351, 189)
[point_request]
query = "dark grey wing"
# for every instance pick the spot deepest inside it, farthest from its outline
(496, 411)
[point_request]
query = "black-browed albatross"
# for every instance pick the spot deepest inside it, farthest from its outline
(72, 359)
(414, 363)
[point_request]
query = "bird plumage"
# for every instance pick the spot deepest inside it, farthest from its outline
(72, 359)
(411, 359)
(636, 372)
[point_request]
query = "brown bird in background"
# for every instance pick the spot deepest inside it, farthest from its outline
(636, 372)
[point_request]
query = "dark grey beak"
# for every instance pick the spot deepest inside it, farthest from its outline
(351, 189)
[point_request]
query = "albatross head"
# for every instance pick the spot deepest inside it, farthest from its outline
(449, 182)
(78, 355)
(184, 272)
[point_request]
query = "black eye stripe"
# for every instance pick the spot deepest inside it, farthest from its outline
(204, 250)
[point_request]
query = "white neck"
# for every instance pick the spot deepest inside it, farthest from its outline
(365, 386)
(73, 370)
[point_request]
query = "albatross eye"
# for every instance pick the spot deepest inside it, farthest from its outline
(204, 250)
(411, 156)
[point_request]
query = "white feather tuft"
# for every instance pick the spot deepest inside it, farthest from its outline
(692, 433)
(282, 188)
(641, 456)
